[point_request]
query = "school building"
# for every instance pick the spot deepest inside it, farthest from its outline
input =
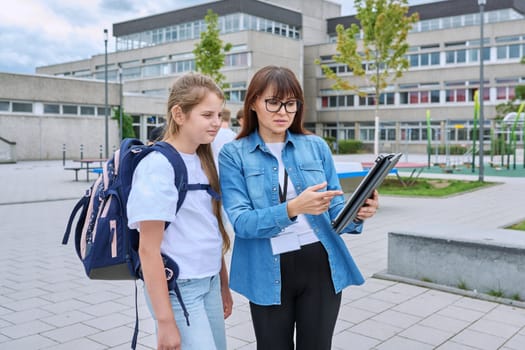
(443, 76)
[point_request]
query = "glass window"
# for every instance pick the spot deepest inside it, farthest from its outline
(102, 111)
(403, 98)
(22, 107)
(501, 93)
(501, 52)
(434, 58)
(461, 56)
(414, 60)
(434, 96)
(424, 59)
(70, 109)
(4, 105)
(151, 71)
(324, 101)
(486, 53)
(514, 51)
(450, 56)
(51, 109)
(87, 110)
(461, 95)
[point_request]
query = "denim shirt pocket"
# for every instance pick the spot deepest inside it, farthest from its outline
(313, 172)
(254, 178)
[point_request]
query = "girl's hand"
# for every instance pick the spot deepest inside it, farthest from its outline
(227, 301)
(168, 337)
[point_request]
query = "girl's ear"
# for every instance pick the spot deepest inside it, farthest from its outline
(177, 115)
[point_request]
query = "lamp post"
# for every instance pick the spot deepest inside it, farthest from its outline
(121, 93)
(337, 124)
(481, 4)
(106, 112)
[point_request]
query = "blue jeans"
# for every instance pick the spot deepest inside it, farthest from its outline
(203, 301)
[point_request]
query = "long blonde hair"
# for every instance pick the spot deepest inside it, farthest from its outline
(187, 92)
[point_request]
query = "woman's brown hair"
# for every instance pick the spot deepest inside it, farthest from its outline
(187, 92)
(285, 84)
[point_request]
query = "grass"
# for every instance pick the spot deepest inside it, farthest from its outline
(462, 285)
(430, 187)
(496, 293)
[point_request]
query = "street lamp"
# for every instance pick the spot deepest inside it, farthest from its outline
(337, 123)
(121, 93)
(106, 114)
(481, 4)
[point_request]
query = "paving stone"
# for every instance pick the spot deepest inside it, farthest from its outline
(354, 341)
(398, 343)
(478, 340)
(375, 329)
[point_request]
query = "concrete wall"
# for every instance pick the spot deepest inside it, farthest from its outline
(41, 136)
(7, 151)
(483, 260)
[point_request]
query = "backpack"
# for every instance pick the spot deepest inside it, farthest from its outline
(107, 248)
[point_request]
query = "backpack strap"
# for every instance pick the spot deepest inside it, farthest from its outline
(181, 173)
(80, 204)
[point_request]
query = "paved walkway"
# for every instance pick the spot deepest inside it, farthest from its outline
(46, 302)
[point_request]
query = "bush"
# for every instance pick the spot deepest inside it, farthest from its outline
(453, 149)
(331, 142)
(350, 146)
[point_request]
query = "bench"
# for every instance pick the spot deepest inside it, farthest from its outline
(76, 169)
(481, 259)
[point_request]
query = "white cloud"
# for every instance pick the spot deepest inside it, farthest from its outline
(43, 32)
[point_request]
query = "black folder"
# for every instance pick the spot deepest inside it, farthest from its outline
(372, 180)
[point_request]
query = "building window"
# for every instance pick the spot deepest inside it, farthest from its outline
(101, 111)
(87, 110)
(4, 106)
(70, 109)
(51, 109)
(22, 107)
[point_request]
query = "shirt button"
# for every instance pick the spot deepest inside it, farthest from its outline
(274, 189)
(276, 281)
(274, 169)
(275, 259)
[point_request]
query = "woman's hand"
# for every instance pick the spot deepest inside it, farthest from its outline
(369, 208)
(310, 201)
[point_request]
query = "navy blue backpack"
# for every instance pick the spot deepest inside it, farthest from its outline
(107, 248)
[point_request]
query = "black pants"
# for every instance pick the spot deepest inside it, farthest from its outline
(308, 303)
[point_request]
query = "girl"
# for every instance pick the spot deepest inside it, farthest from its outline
(281, 193)
(195, 239)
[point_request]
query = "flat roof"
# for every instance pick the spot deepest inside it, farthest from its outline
(194, 13)
(447, 8)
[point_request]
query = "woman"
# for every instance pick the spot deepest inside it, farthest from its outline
(195, 238)
(281, 193)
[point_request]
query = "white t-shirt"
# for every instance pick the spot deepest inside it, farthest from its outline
(301, 229)
(224, 135)
(193, 238)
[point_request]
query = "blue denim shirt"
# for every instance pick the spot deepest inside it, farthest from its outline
(250, 192)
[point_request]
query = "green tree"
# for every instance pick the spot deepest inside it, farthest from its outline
(384, 26)
(210, 50)
(127, 123)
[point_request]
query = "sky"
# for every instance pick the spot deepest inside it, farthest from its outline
(36, 33)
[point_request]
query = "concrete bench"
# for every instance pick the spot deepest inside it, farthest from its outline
(76, 169)
(475, 259)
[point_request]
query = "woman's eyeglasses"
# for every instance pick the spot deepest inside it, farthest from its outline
(274, 105)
